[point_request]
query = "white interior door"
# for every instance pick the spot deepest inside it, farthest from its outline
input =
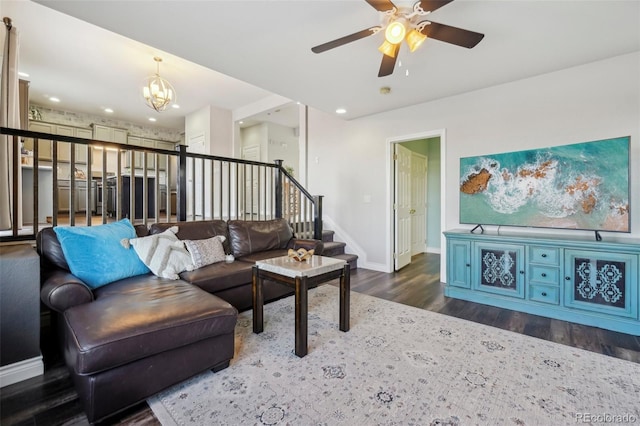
(402, 206)
(250, 198)
(418, 209)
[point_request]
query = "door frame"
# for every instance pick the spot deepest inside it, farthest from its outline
(441, 133)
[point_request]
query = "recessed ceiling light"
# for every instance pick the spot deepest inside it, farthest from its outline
(176, 106)
(152, 119)
(240, 122)
(23, 74)
(109, 110)
(54, 99)
(341, 111)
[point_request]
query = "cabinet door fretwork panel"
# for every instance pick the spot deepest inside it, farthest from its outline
(498, 268)
(573, 279)
(601, 282)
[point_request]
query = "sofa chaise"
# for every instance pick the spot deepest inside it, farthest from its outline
(129, 339)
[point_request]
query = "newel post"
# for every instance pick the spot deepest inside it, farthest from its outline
(181, 202)
(317, 213)
(279, 183)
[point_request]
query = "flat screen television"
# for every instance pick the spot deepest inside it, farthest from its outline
(579, 186)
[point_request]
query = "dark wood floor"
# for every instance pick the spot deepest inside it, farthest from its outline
(51, 399)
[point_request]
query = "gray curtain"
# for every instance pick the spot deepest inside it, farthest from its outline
(9, 117)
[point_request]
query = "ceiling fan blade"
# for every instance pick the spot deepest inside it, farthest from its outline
(388, 64)
(382, 5)
(453, 35)
(431, 5)
(344, 40)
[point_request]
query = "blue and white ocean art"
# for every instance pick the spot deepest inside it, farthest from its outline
(578, 186)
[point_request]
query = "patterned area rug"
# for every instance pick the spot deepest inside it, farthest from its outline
(400, 365)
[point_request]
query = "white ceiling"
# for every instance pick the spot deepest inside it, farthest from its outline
(265, 46)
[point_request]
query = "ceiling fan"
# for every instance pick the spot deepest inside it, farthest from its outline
(406, 24)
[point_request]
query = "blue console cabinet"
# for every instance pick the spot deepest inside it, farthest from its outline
(572, 279)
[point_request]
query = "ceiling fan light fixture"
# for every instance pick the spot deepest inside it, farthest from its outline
(158, 93)
(395, 32)
(389, 49)
(415, 39)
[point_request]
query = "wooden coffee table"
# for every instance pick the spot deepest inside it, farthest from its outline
(300, 275)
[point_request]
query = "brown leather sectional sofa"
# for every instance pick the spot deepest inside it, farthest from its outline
(128, 340)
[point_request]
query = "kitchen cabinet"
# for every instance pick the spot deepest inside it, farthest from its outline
(81, 150)
(109, 134)
(64, 148)
(163, 198)
(573, 279)
(63, 195)
(162, 160)
(139, 156)
(80, 196)
(45, 189)
(148, 143)
(45, 147)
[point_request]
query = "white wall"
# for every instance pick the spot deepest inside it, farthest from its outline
(210, 131)
(595, 101)
(276, 142)
(216, 126)
(283, 145)
(221, 122)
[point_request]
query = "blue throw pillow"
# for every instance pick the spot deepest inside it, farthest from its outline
(96, 256)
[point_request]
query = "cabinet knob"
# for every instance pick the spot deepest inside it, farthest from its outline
(544, 294)
(567, 278)
(543, 274)
(521, 272)
(468, 264)
(544, 254)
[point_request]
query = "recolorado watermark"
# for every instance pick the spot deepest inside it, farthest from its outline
(606, 418)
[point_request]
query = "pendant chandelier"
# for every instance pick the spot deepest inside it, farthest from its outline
(158, 93)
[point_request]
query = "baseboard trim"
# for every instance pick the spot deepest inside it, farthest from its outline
(22, 370)
(372, 266)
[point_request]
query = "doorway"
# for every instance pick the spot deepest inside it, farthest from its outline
(280, 133)
(416, 196)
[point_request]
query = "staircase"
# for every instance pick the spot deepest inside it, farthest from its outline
(336, 249)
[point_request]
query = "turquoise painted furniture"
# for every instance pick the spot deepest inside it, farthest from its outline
(568, 278)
